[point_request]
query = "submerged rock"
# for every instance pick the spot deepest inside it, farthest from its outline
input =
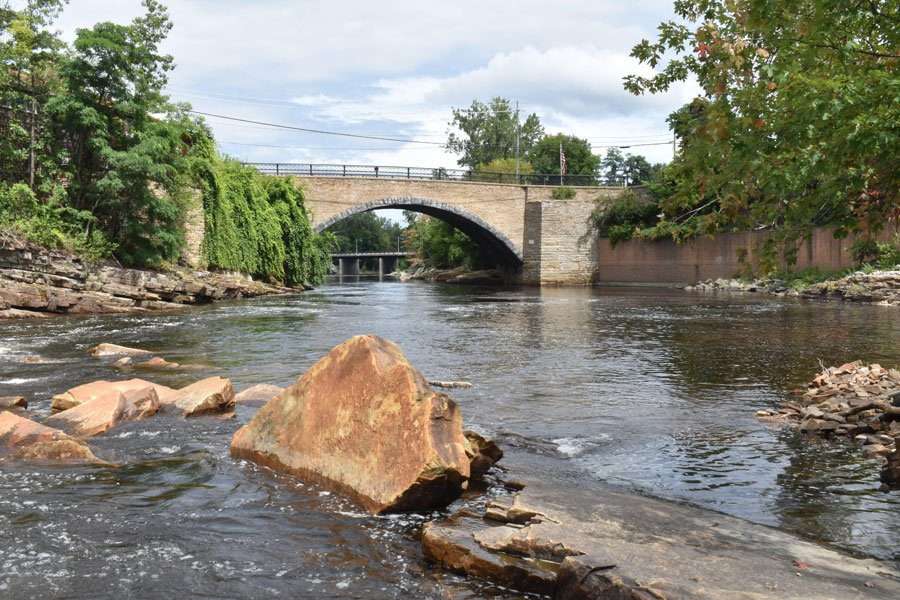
(101, 389)
(22, 438)
(101, 414)
(210, 395)
(156, 363)
(364, 421)
(258, 394)
(13, 402)
(102, 350)
(890, 473)
(453, 545)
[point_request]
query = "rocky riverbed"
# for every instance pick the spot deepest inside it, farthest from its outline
(878, 287)
(36, 282)
(364, 422)
(853, 400)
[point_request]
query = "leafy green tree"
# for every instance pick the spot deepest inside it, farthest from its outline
(580, 160)
(507, 166)
(485, 132)
(125, 142)
(29, 53)
(800, 121)
(438, 244)
(366, 232)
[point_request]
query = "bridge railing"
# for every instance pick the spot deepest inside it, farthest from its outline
(420, 173)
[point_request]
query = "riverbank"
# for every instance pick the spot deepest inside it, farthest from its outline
(876, 287)
(36, 282)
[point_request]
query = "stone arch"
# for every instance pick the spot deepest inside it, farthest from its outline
(495, 242)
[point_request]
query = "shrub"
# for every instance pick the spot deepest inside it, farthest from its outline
(563, 192)
(878, 255)
(622, 219)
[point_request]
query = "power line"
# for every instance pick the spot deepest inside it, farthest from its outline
(319, 131)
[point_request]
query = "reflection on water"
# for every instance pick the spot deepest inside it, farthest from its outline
(648, 388)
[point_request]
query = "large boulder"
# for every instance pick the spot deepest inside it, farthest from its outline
(22, 438)
(213, 394)
(102, 389)
(101, 414)
(365, 422)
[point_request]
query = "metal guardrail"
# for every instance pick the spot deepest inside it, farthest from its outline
(419, 173)
(390, 254)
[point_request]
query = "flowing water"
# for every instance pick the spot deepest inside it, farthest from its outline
(646, 388)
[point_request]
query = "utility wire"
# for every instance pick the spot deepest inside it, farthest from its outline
(319, 131)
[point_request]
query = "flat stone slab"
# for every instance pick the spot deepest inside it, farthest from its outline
(650, 548)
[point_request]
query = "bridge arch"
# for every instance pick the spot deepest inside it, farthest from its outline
(496, 244)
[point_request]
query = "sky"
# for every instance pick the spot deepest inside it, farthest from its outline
(397, 68)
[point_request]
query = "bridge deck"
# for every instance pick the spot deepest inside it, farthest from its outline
(372, 254)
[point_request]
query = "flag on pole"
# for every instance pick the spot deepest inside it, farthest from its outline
(563, 168)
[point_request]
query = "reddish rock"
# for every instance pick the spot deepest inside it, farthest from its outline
(210, 395)
(99, 389)
(258, 394)
(101, 350)
(22, 438)
(12, 402)
(482, 452)
(101, 414)
(156, 363)
(365, 422)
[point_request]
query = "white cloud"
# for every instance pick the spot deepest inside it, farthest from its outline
(396, 67)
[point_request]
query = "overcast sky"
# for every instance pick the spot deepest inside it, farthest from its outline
(396, 68)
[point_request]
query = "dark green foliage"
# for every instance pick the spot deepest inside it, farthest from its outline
(622, 219)
(440, 245)
(881, 255)
(619, 169)
(563, 192)
(50, 223)
(258, 225)
(580, 160)
(799, 123)
(487, 132)
(366, 232)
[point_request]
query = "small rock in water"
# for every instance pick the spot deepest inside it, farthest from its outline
(101, 350)
(210, 395)
(12, 402)
(23, 439)
(156, 363)
(101, 414)
(450, 384)
(258, 394)
(99, 389)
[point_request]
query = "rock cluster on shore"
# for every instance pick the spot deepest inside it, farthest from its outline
(855, 400)
(36, 282)
(880, 287)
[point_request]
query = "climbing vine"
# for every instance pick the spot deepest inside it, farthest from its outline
(257, 224)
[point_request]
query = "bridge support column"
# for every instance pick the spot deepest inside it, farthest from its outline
(380, 268)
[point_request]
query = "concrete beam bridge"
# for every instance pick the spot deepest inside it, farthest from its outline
(534, 237)
(348, 262)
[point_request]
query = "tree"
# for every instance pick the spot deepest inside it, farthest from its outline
(29, 52)
(438, 244)
(613, 167)
(366, 232)
(800, 121)
(544, 157)
(126, 144)
(485, 132)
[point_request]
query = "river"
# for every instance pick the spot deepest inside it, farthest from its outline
(652, 389)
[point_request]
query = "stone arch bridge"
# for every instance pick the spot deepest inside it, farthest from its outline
(535, 238)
